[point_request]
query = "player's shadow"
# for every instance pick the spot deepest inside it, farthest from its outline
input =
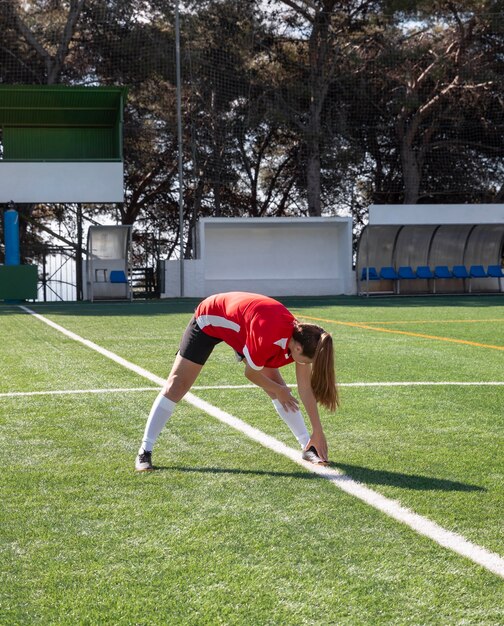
(233, 470)
(360, 474)
(418, 482)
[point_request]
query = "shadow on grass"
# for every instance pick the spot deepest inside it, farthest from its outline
(232, 470)
(363, 475)
(405, 481)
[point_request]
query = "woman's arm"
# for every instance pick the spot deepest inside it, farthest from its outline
(317, 440)
(281, 392)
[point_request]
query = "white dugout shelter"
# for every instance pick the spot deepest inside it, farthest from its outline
(274, 256)
(446, 248)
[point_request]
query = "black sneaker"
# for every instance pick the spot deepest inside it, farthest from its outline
(144, 462)
(312, 456)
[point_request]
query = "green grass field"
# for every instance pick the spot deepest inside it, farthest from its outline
(226, 531)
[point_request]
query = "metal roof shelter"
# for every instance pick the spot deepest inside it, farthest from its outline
(61, 143)
(403, 236)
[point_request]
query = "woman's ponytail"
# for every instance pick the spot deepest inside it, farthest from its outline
(323, 378)
(317, 345)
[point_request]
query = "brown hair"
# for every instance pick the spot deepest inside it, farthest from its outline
(318, 346)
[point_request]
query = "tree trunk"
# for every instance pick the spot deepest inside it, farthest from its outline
(411, 173)
(54, 70)
(321, 65)
(313, 170)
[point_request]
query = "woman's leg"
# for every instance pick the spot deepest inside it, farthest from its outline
(293, 419)
(181, 379)
(196, 347)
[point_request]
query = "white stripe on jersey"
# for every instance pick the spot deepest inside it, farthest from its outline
(217, 320)
(281, 342)
(249, 359)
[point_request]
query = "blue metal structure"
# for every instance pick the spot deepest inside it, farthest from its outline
(11, 236)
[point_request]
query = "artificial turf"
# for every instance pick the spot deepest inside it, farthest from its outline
(226, 531)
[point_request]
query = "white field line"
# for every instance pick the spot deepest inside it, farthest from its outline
(421, 382)
(71, 392)
(416, 383)
(62, 392)
(423, 526)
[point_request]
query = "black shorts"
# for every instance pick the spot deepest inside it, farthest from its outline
(196, 346)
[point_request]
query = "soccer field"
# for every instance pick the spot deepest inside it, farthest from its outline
(406, 526)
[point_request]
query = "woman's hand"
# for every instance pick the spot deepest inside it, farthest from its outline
(318, 441)
(286, 399)
(274, 385)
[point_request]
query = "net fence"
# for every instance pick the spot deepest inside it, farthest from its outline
(287, 108)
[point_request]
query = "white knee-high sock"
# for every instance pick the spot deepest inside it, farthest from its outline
(295, 421)
(160, 413)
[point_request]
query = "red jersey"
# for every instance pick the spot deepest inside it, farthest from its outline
(256, 326)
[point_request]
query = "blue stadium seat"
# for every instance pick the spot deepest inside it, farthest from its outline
(460, 271)
(477, 271)
(388, 273)
(406, 272)
(442, 271)
(118, 276)
(424, 271)
(495, 271)
(369, 273)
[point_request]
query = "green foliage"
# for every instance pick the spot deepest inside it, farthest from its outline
(283, 104)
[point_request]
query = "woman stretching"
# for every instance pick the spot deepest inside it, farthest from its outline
(266, 336)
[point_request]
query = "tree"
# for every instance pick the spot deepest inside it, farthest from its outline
(329, 25)
(47, 32)
(438, 81)
(308, 108)
(36, 46)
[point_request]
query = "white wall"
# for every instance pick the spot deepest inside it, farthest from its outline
(61, 182)
(436, 214)
(194, 279)
(274, 256)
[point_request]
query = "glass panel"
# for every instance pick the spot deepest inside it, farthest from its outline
(376, 249)
(448, 244)
(376, 246)
(448, 247)
(413, 245)
(485, 247)
(108, 242)
(412, 249)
